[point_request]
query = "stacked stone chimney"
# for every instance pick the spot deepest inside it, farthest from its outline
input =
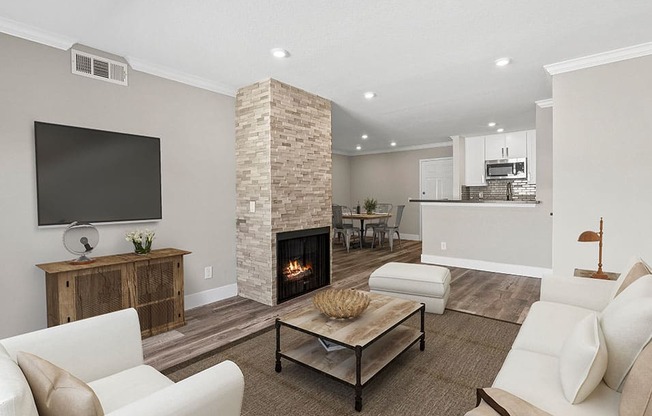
(283, 174)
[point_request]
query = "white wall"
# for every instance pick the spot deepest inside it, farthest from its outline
(197, 132)
(602, 152)
(342, 180)
(394, 178)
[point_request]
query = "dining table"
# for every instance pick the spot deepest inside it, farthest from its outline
(362, 217)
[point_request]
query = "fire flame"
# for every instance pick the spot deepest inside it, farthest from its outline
(296, 270)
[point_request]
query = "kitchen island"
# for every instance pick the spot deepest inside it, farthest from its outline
(500, 236)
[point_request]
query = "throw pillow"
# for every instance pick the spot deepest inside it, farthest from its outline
(627, 327)
(583, 360)
(57, 392)
(636, 399)
(493, 401)
(15, 395)
(635, 269)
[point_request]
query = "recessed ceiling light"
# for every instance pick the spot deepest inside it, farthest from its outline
(392, 144)
(369, 95)
(280, 53)
(492, 124)
(500, 130)
(365, 137)
(503, 61)
(358, 147)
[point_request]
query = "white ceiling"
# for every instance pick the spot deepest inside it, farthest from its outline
(431, 62)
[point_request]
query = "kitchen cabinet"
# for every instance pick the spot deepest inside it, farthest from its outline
(506, 146)
(531, 156)
(474, 156)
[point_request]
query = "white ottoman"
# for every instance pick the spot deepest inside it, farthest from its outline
(420, 282)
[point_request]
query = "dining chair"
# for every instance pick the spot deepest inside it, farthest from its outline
(381, 208)
(390, 230)
(339, 228)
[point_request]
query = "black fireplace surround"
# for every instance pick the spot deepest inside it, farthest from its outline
(303, 262)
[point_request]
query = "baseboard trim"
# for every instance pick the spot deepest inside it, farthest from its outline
(487, 266)
(209, 296)
(411, 237)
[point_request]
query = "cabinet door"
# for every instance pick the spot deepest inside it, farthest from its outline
(494, 147)
(155, 293)
(531, 156)
(474, 161)
(516, 144)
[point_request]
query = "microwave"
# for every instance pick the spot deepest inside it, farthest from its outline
(506, 169)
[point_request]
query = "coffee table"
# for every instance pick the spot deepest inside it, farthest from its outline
(371, 341)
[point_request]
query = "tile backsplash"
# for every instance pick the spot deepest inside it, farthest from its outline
(497, 190)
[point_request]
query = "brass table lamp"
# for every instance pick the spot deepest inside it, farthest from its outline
(592, 236)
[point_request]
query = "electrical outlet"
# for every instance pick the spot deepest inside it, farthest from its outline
(208, 272)
(252, 206)
(443, 245)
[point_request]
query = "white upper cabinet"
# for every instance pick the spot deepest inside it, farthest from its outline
(494, 147)
(531, 156)
(516, 145)
(474, 152)
(506, 146)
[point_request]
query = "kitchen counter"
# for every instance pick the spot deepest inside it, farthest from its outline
(497, 236)
(476, 202)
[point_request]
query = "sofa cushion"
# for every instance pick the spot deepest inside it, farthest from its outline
(15, 395)
(636, 399)
(125, 387)
(634, 269)
(583, 360)
(56, 391)
(627, 326)
(534, 377)
(547, 326)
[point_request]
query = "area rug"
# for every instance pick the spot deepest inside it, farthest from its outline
(463, 352)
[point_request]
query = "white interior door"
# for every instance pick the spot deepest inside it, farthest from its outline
(435, 180)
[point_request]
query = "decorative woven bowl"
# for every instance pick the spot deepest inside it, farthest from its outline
(341, 303)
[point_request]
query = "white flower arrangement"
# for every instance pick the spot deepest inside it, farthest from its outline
(142, 240)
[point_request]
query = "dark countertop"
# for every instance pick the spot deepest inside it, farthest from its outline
(475, 201)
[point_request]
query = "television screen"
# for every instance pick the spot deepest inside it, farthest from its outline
(96, 176)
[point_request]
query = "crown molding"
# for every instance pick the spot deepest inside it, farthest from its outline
(602, 58)
(34, 34)
(179, 76)
(547, 103)
(394, 150)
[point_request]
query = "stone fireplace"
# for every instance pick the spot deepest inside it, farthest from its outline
(283, 186)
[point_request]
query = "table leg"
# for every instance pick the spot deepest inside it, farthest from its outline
(422, 343)
(362, 233)
(358, 378)
(278, 346)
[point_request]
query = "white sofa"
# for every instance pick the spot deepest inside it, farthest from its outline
(106, 353)
(531, 370)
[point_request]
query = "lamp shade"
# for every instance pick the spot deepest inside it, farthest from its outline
(589, 236)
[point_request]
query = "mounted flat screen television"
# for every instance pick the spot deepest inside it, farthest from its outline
(96, 176)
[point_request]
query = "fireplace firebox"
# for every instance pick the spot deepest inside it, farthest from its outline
(303, 262)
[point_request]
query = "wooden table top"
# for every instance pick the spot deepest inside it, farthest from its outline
(66, 266)
(365, 216)
(382, 313)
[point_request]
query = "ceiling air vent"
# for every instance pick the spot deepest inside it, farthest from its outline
(96, 67)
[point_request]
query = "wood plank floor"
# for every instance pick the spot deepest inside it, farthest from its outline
(495, 295)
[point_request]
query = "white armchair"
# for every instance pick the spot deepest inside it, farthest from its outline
(106, 353)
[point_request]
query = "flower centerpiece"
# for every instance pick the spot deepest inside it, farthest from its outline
(370, 205)
(142, 240)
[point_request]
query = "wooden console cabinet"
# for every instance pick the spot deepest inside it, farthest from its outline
(151, 283)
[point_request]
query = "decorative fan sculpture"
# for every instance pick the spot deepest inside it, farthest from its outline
(80, 238)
